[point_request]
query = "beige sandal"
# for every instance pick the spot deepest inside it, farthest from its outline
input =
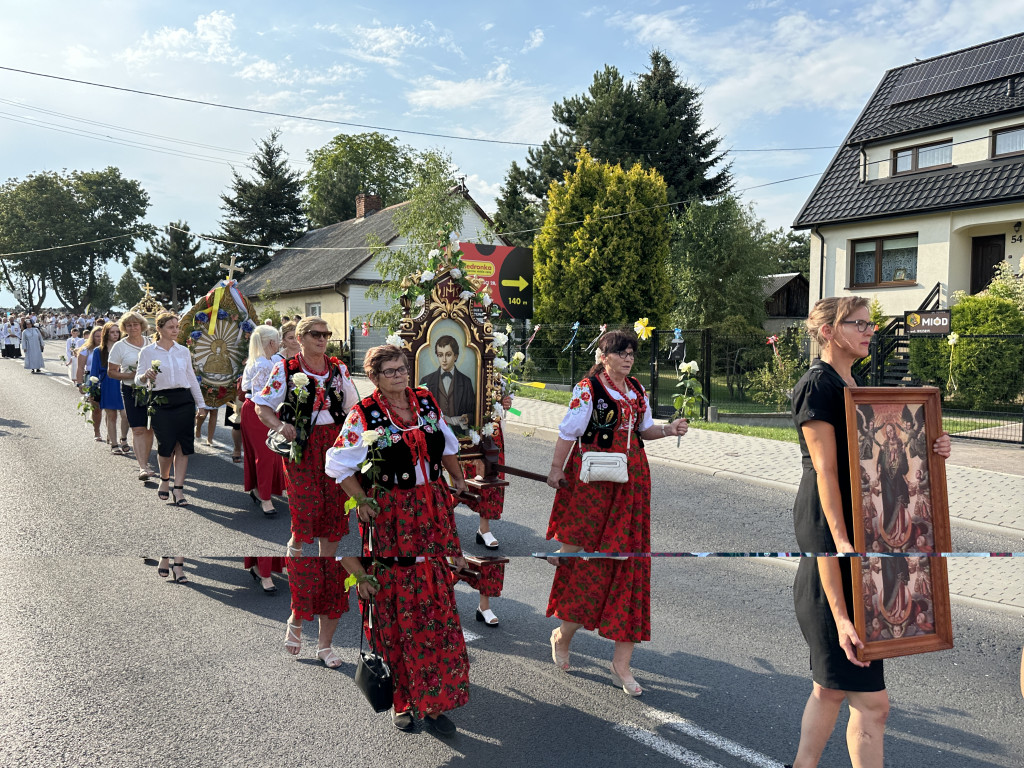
(293, 639)
(331, 660)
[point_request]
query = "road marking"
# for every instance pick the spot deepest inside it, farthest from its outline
(693, 730)
(666, 747)
(469, 636)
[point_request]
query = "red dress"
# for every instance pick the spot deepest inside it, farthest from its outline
(265, 565)
(492, 500)
(318, 587)
(611, 596)
(264, 469)
(316, 501)
(417, 622)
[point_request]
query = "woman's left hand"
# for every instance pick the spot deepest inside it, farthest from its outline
(365, 590)
(460, 563)
(679, 427)
(943, 446)
(460, 485)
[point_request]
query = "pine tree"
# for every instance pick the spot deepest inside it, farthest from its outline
(173, 264)
(128, 292)
(519, 216)
(265, 211)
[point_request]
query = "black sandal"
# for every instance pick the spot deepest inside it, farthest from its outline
(182, 502)
(164, 495)
(183, 579)
(163, 573)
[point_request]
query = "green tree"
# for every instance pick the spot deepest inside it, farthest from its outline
(95, 213)
(176, 268)
(718, 263)
(265, 211)
(611, 268)
(789, 251)
(128, 292)
(435, 205)
(519, 216)
(365, 162)
(103, 293)
(655, 121)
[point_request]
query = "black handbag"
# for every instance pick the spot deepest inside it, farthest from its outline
(373, 676)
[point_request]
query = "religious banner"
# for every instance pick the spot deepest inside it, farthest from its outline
(216, 331)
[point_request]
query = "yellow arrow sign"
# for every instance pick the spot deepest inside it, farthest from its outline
(519, 282)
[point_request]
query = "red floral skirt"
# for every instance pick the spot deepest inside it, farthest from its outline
(490, 581)
(316, 501)
(416, 621)
(318, 587)
(416, 522)
(264, 469)
(611, 596)
(605, 517)
(265, 565)
(492, 500)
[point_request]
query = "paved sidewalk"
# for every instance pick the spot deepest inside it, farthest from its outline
(981, 498)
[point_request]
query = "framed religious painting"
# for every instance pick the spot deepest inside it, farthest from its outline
(901, 521)
(449, 344)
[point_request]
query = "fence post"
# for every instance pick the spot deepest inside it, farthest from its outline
(572, 363)
(652, 391)
(705, 367)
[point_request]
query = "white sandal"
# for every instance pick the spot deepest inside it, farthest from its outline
(331, 660)
(293, 639)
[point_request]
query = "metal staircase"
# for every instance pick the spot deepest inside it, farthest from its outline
(889, 362)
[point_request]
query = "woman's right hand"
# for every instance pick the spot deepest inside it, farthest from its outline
(366, 513)
(287, 431)
(844, 546)
(366, 590)
(849, 641)
(150, 375)
(556, 477)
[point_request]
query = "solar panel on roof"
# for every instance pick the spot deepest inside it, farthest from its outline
(960, 70)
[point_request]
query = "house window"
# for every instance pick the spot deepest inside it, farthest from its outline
(885, 261)
(313, 310)
(1008, 142)
(923, 157)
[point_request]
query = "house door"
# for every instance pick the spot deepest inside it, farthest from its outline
(986, 252)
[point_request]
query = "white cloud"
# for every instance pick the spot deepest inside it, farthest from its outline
(208, 42)
(78, 57)
(377, 44)
(434, 93)
(483, 191)
(268, 71)
(760, 5)
(487, 27)
(535, 40)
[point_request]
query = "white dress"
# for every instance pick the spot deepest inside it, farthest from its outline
(32, 346)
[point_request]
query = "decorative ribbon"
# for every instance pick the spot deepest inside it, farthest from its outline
(591, 345)
(575, 331)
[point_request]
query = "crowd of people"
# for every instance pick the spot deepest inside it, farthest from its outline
(390, 456)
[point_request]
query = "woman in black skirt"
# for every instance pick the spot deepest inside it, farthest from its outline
(166, 368)
(122, 365)
(823, 518)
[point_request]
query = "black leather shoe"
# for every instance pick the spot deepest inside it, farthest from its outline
(403, 721)
(442, 725)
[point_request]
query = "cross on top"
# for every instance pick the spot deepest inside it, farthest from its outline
(149, 288)
(231, 268)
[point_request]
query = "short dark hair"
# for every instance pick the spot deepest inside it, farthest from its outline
(447, 341)
(613, 342)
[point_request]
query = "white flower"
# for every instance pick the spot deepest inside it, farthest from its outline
(421, 300)
(500, 339)
(474, 436)
(431, 255)
(498, 410)
(370, 437)
(508, 327)
(952, 339)
(156, 365)
(692, 366)
(394, 340)
(488, 430)
(517, 358)
(456, 273)
(500, 363)
(428, 275)
(300, 379)
(466, 295)
(366, 467)
(486, 300)
(94, 380)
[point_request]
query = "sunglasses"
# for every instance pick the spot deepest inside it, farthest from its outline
(319, 334)
(391, 373)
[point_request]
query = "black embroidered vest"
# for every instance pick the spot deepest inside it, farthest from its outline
(604, 418)
(396, 463)
(293, 408)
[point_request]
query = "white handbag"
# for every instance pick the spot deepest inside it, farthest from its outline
(605, 467)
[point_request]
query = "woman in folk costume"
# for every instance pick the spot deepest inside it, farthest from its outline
(609, 412)
(317, 586)
(264, 469)
(408, 525)
(313, 393)
(32, 345)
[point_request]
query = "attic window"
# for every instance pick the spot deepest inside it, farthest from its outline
(922, 157)
(1008, 142)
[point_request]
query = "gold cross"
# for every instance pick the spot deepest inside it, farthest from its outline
(148, 288)
(231, 268)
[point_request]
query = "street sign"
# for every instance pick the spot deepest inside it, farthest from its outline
(509, 272)
(934, 323)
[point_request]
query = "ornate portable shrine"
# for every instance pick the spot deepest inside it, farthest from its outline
(149, 307)
(216, 331)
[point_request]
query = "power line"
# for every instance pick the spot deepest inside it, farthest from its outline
(71, 245)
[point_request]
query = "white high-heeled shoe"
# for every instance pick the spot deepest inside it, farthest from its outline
(630, 688)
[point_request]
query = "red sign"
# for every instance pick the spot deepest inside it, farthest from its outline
(509, 272)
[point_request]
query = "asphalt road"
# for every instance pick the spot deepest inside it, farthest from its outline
(104, 664)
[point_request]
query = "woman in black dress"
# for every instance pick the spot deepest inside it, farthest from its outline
(823, 518)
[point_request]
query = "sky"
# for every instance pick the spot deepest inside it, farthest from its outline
(775, 75)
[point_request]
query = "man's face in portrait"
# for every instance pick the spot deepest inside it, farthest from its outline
(446, 358)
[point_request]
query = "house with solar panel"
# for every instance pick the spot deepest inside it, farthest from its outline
(926, 194)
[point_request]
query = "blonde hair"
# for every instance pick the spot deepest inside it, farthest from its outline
(92, 333)
(132, 317)
(258, 341)
(832, 311)
(306, 324)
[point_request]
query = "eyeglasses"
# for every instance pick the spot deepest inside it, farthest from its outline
(391, 373)
(626, 354)
(863, 326)
(319, 334)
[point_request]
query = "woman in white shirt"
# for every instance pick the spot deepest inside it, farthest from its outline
(122, 363)
(166, 368)
(264, 469)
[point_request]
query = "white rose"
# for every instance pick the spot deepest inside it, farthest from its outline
(517, 358)
(488, 430)
(486, 300)
(156, 365)
(420, 300)
(300, 379)
(952, 339)
(692, 366)
(474, 436)
(500, 363)
(456, 273)
(370, 437)
(428, 275)
(499, 411)
(466, 295)
(94, 380)
(394, 340)
(431, 255)
(508, 327)
(500, 339)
